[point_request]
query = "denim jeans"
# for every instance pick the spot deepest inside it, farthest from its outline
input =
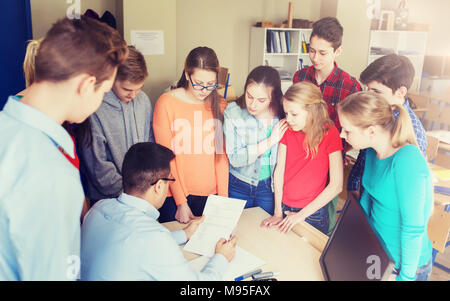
(318, 220)
(256, 196)
(169, 208)
(423, 273)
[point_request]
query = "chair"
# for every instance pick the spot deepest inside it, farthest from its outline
(445, 117)
(432, 115)
(432, 148)
(419, 104)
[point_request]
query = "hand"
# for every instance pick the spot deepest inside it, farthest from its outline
(278, 131)
(193, 225)
(348, 160)
(272, 221)
(227, 248)
(290, 221)
(184, 214)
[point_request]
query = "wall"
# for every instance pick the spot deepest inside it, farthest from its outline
(154, 15)
(46, 12)
(225, 27)
(355, 44)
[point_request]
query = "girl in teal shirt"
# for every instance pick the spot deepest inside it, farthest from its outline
(398, 191)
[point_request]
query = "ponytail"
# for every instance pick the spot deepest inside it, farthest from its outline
(402, 132)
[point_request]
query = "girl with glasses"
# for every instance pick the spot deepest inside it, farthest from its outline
(188, 120)
(252, 130)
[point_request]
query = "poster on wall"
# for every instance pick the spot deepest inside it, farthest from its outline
(148, 42)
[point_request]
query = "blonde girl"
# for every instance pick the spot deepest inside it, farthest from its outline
(309, 152)
(398, 191)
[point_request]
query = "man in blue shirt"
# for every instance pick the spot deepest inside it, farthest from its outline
(121, 238)
(390, 76)
(40, 191)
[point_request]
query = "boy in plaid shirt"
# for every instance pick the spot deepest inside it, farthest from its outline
(335, 83)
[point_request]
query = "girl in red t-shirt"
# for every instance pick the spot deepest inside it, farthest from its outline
(309, 154)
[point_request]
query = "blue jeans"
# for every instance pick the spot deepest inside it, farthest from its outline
(169, 208)
(318, 220)
(423, 273)
(256, 196)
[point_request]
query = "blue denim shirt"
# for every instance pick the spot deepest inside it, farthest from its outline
(243, 132)
(354, 179)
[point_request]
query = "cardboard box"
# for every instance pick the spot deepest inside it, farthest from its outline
(222, 76)
(231, 94)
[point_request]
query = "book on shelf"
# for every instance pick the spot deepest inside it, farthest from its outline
(269, 42)
(283, 41)
(277, 47)
(288, 41)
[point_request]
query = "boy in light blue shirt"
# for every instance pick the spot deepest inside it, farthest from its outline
(121, 238)
(40, 191)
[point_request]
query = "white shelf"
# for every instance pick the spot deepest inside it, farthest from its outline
(280, 54)
(397, 42)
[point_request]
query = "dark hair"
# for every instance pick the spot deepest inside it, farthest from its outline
(143, 164)
(329, 29)
(393, 71)
(83, 45)
(134, 68)
(203, 58)
(269, 77)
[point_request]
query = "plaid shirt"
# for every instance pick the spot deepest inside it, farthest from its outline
(354, 179)
(338, 85)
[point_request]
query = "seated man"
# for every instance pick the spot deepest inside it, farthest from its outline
(121, 238)
(123, 119)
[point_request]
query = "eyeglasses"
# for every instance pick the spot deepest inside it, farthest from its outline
(164, 179)
(201, 87)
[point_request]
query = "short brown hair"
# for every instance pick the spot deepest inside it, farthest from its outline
(393, 71)
(134, 68)
(83, 45)
(330, 30)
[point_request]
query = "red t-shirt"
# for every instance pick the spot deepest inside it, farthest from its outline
(305, 178)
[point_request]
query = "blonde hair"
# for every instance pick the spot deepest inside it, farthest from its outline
(367, 108)
(29, 61)
(318, 122)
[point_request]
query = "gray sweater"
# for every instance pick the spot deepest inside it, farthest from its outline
(116, 126)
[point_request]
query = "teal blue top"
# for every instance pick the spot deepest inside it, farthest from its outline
(398, 199)
(265, 171)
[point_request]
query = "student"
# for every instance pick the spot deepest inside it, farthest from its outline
(122, 239)
(335, 83)
(123, 119)
(309, 152)
(398, 190)
(390, 76)
(189, 121)
(40, 191)
(252, 130)
(82, 131)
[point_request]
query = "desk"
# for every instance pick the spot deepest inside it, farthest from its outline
(295, 254)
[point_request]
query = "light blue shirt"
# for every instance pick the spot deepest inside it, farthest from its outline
(40, 197)
(121, 239)
(243, 132)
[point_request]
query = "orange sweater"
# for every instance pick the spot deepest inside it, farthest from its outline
(188, 130)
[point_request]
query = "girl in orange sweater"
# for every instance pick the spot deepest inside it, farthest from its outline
(188, 120)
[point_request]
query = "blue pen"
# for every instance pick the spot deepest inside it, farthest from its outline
(226, 86)
(248, 275)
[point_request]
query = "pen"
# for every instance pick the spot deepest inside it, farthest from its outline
(264, 275)
(248, 275)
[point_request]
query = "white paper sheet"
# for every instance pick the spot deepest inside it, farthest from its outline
(148, 42)
(222, 215)
(242, 263)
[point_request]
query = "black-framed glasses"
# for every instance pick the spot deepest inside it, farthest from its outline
(164, 179)
(201, 87)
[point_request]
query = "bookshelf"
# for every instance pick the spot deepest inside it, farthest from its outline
(285, 57)
(411, 44)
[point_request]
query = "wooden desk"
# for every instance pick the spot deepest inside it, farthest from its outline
(440, 199)
(295, 254)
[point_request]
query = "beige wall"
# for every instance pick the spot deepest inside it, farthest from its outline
(154, 15)
(46, 12)
(225, 27)
(355, 44)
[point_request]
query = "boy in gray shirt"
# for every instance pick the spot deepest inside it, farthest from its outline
(123, 119)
